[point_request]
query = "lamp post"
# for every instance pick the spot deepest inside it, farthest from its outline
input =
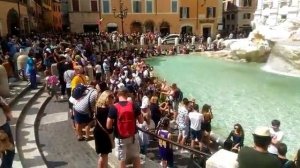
(122, 14)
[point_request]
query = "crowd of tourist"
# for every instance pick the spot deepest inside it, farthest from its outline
(111, 91)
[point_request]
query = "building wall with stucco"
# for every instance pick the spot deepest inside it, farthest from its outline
(11, 6)
(162, 18)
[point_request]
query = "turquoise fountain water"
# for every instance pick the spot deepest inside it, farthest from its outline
(238, 92)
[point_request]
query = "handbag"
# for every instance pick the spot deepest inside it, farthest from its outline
(111, 137)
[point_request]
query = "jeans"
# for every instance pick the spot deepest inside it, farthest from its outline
(32, 78)
(143, 149)
(8, 156)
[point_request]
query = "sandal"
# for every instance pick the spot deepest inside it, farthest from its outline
(88, 138)
(81, 139)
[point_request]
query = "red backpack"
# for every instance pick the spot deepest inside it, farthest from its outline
(126, 121)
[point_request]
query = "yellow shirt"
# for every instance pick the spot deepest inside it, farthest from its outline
(77, 80)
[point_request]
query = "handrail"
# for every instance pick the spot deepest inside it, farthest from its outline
(175, 143)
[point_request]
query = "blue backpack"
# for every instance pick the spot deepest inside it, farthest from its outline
(78, 91)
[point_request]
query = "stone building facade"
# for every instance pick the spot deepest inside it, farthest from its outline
(13, 17)
(202, 17)
(238, 15)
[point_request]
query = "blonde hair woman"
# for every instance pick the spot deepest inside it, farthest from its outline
(103, 143)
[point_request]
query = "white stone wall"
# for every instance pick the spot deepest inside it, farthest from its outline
(273, 12)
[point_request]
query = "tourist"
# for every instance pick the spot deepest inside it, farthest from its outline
(195, 119)
(68, 76)
(98, 71)
(144, 137)
(62, 66)
(125, 132)
(297, 159)
(52, 84)
(31, 70)
(182, 122)
(195, 105)
(175, 96)
(237, 137)
(282, 150)
(103, 139)
(106, 68)
(83, 109)
(277, 136)
(79, 77)
(5, 117)
(206, 124)
(258, 156)
(165, 148)
(155, 110)
(5, 145)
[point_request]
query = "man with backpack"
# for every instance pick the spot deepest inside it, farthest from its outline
(122, 116)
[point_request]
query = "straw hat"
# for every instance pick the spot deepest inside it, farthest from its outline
(262, 131)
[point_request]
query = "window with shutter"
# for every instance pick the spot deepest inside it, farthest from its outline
(94, 6)
(174, 6)
(136, 6)
(75, 5)
(207, 12)
(180, 13)
(149, 6)
(105, 6)
(214, 11)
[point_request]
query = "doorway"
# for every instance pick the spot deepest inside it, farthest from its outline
(187, 30)
(90, 28)
(206, 32)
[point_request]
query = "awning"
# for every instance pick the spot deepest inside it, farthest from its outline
(112, 25)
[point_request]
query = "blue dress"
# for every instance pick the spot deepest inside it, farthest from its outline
(165, 150)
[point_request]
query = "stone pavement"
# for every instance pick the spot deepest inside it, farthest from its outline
(60, 147)
(55, 136)
(58, 142)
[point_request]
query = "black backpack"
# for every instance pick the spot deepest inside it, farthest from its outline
(178, 96)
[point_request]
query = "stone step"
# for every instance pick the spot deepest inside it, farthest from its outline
(19, 103)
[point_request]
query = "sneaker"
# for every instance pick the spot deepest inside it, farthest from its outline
(184, 151)
(62, 97)
(161, 163)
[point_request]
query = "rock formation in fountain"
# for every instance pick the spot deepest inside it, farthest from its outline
(275, 39)
(255, 48)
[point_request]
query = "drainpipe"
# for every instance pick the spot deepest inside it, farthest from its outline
(155, 7)
(19, 12)
(197, 20)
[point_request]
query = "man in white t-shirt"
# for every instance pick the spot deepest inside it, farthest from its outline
(195, 119)
(98, 70)
(277, 136)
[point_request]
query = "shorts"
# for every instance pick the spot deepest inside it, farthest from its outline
(175, 105)
(98, 76)
(184, 131)
(206, 127)
(127, 148)
(196, 134)
(82, 118)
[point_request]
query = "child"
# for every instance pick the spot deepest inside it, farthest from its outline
(143, 137)
(52, 84)
(165, 148)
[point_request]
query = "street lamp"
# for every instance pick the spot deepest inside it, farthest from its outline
(122, 14)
